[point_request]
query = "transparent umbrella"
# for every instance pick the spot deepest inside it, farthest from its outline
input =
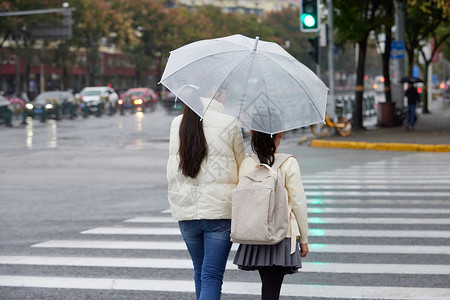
(258, 82)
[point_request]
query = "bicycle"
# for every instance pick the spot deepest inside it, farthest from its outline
(343, 126)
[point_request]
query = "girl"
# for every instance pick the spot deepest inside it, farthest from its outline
(275, 261)
(204, 159)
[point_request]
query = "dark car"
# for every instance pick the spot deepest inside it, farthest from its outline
(53, 104)
(139, 98)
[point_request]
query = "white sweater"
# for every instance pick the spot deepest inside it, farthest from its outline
(208, 196)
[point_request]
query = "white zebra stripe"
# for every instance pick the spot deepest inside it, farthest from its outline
(362, 193)
(312, 232)
(166, 245)
(240, 288)
(387, 202)
(404, 182)
(370, 186)
(369, 210)
(170, 263)
(316, 220)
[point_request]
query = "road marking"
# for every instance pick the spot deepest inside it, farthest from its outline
(366, 220)
(368, 176)
(393, 172)
(401, 167)
(369, 210)
(332, 248)
(240, 288)
(370, 186)
(154, 220)
(312, 232)
(166, 263)
(316, 220)
(364, 193)
(391, 182)
(387, 202)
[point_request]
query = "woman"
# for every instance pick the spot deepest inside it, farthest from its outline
(273, 262)
(204, 159)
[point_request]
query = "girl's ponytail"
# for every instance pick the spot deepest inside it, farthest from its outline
(263, 145)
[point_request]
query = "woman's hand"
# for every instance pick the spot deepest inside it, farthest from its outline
(304, 250)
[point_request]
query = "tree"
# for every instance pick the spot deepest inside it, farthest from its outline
(92, 22)
(284, 26)
(425, 21)
(386, 21)
(354, 20)
(17, 28)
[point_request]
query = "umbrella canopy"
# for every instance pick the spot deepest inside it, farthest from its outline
(411, 79)
(258, 82)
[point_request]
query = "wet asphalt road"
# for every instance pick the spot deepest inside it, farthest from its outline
(58, 179)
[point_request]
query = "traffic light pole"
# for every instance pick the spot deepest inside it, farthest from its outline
(331, 102)
(318, 53)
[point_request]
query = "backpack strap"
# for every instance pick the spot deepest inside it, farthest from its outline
(280, 158)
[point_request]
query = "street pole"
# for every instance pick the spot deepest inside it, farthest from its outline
(17, 74)
(318, 53)
(331, 60)
(400, 36)
(396, 86)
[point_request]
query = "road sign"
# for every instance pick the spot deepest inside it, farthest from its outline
(397, 49)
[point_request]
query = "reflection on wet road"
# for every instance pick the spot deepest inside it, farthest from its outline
(135, 130)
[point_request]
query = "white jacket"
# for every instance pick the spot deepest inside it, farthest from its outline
(208, 196)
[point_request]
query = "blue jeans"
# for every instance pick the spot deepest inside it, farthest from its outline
(208, 243)
(411, 114)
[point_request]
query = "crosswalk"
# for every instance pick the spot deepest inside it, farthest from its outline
(377, 231)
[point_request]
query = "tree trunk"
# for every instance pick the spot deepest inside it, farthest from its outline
(410, 52)
(386, 56)
(359, 89)
(424, 96)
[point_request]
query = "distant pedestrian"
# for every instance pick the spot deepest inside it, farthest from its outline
(413, 99)
(273, 262)
(202, 170)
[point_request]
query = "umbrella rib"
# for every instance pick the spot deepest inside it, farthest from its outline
(200, 58)
(229, 75)
(268, 102)
(299, 82)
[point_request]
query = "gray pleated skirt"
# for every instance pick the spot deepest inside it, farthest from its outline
(252, 257)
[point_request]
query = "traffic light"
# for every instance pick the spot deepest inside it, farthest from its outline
(309, 16)
(315, 51)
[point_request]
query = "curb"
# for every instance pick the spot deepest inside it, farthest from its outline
(380, 146)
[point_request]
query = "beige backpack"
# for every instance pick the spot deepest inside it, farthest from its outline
(259, 213)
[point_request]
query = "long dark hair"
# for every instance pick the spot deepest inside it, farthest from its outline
(193, 147)
(263, 145)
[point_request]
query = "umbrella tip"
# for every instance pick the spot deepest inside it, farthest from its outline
(256, 43)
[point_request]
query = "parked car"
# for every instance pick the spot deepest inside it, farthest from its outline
(52, 104)
(168, 102)
(98, 99)
(5, 111)
(141, 98)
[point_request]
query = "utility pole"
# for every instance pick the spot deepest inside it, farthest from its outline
(396, 86)
(331, 101)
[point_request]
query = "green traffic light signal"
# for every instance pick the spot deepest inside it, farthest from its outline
(309, 16)
(308, 20)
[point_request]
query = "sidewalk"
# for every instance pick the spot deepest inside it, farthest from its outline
(431, 133)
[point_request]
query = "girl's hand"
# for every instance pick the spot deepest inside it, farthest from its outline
(304, 250)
